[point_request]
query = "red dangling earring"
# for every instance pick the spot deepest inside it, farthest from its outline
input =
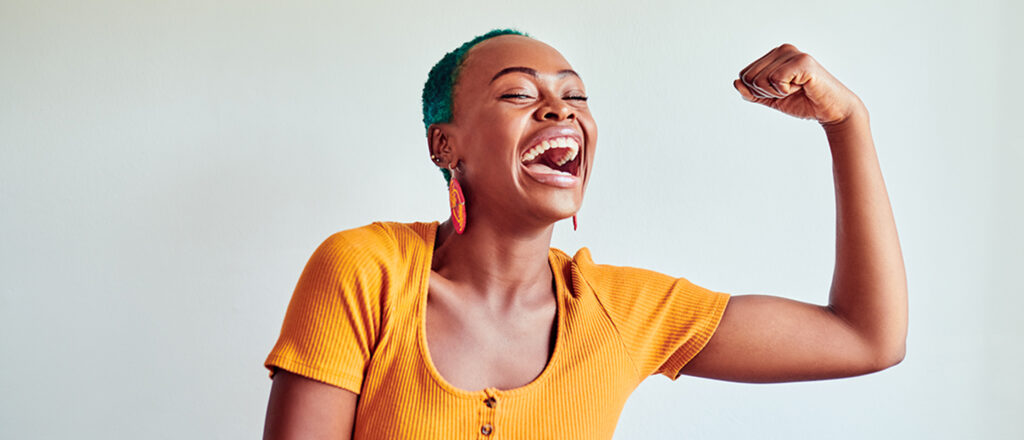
(457, 202)
(574, 222)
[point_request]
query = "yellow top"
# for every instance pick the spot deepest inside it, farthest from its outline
(356, 321)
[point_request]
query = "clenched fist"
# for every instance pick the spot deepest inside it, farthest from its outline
(792, 82)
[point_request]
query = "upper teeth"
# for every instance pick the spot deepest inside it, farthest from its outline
(562, 142)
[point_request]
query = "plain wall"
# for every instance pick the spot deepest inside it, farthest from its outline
(167, 168)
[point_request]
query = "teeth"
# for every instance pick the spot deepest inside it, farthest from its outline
(564, 142)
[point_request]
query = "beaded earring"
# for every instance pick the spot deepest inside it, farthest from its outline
(457, 202)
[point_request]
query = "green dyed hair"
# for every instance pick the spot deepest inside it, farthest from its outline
(437, 92)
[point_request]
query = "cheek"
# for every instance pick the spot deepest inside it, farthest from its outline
(591, 131)
(492, 155)
(493, 141)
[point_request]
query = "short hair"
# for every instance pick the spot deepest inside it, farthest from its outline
(437, 92)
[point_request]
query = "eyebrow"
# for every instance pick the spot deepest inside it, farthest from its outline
(532, 72)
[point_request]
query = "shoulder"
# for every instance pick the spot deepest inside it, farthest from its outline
(374, 248)
(602, 277)
(627, 286)
(379, 239)
(357, 247)
(372, 236)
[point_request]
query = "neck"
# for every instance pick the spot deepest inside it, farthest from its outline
(490, 263)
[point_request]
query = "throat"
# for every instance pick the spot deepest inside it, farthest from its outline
(503, 272)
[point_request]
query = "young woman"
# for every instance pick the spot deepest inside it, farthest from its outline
(477, 328)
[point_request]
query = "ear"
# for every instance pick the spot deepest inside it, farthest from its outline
(439, 141)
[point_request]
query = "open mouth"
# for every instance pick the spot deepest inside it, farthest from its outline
(554, 157)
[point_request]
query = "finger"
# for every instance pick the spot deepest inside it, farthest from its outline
(771, 77)
(791, 75)
(750, 72)
(774, 57)
(756, 62)
(745, 78)
(742, 88)
(756, 91)
(747, 94)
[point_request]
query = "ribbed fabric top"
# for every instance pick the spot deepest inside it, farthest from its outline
(356, 321)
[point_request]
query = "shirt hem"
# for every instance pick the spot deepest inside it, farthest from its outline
(674, 367)
(348, 381)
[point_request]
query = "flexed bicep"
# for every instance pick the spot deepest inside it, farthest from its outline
(771, 339)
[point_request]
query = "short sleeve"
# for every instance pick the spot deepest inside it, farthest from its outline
(333, 320)
(663, 321)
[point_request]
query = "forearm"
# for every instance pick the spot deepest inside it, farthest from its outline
(869, 287)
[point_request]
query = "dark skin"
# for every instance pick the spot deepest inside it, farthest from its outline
(491, 287)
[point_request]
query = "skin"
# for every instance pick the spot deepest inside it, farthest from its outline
(863, 328)
(497, 272)
(491, 288)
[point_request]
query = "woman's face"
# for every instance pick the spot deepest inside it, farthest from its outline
(523, 132)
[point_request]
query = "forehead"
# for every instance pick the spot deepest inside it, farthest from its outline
(491, 56)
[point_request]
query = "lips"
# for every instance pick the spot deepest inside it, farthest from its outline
(553, 156)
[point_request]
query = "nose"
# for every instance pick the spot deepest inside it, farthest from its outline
(554, 109)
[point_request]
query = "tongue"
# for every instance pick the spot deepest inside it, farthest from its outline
(544, 169)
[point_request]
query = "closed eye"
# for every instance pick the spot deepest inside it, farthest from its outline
(523, 96)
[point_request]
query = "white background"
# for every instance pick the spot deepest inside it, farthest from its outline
(167, 168)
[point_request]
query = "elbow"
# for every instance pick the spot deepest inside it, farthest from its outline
(895, 357)
(888, 357)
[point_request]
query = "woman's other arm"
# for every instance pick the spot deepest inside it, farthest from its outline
(863, 328)
(302, 408)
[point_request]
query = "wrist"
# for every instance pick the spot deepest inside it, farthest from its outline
(856, 119)
(849, 137)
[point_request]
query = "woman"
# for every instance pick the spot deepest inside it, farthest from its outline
(475, 327)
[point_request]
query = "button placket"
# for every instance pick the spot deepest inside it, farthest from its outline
(487, 412)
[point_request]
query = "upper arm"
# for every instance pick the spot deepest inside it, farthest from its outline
(771, 339)
(334, 319)
(301, 408)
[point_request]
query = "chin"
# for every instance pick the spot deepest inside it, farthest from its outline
(556, 212)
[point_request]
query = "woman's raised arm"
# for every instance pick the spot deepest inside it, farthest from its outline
(864, 326)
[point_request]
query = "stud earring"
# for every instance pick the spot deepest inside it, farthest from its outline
(457, 202)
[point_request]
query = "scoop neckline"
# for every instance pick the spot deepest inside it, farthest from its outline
(421, 332)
